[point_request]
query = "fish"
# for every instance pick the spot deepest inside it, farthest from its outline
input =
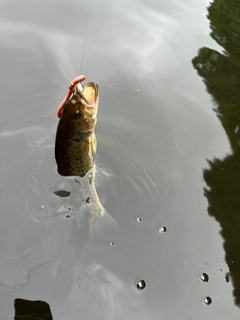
(76, 143)
(75, 147)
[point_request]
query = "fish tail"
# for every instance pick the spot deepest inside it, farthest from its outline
(103, 226)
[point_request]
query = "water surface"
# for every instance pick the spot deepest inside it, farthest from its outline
(167, 153)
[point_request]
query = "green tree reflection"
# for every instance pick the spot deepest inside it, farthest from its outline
(221, 75)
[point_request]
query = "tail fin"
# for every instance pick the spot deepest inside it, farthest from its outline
(103, 227)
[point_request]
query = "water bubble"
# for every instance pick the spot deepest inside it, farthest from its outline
(207, 300)
(111, 243)
(204, 277)
(162, 229)
(43, 207)
(139, 219)
(141, 284)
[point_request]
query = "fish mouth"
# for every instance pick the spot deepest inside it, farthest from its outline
(88, 96)
(89, 93)
(80, 89)
(89, 115)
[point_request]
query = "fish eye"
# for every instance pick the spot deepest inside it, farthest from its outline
(77, 114)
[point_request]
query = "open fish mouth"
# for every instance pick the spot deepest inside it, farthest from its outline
(88, 95)
(80, 89)
(89, 98)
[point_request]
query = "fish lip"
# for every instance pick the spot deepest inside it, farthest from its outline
(79, 90)
(88, 115)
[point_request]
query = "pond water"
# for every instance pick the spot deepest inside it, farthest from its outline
(167, 158)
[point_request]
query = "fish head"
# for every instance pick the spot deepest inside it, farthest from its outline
(79, 114)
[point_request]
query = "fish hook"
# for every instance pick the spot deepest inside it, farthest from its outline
(71, 88)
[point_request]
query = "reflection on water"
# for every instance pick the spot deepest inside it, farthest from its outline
(152, 132)
(68, 251)
(61, 217)
(221, 75)
(32, 310)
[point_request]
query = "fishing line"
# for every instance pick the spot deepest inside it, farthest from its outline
(85, 36)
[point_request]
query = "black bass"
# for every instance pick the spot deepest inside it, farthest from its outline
(75, 139)
(76, 145)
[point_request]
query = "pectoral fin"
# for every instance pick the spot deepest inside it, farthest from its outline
(94, 143)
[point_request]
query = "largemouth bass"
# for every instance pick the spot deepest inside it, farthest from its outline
(75, 139)
(76, 145)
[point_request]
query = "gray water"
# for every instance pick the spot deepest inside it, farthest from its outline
(160, 127)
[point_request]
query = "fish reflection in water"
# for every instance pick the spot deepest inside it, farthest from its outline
(221, 75)
(76, 145)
